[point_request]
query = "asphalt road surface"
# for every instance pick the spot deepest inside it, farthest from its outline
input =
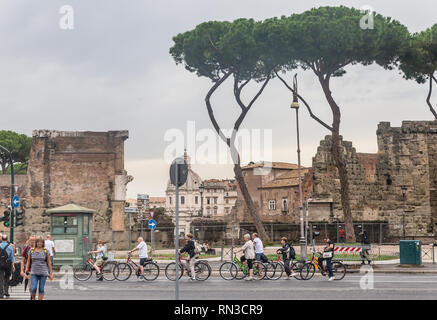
(385, 286)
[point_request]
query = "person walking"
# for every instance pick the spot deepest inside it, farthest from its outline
(6, 266)
(365, 247)
(50, 246)
(30, 243)
(341, 234)
(142, 253)
(40, 265)
(249, 254)
(190, 248)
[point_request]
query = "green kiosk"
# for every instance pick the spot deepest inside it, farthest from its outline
(71, 230)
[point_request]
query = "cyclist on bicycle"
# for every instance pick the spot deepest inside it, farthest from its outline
(285, 250)
(249, 254)
(328, 251)
(259, 248)
(100, 253)
(142, 253)
(190, 248)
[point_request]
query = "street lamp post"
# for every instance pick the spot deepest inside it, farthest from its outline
(295, 105)
(201, 189)
(404, 192)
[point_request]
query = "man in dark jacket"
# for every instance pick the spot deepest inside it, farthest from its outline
(190, 249)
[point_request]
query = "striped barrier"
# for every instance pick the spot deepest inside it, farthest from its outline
(347, 249)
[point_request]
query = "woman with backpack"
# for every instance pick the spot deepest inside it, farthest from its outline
(40, 265)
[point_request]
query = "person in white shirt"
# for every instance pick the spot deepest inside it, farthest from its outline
(50, 246)
(143, 255)
(259, 248)
(249, 255)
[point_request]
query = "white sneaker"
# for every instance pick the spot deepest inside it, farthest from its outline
(249, 279)
(293, 274)
(330, 279)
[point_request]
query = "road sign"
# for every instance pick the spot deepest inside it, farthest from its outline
(16, 201)
(151, 214)
(152, 224)
(182, 172)
(16, 188)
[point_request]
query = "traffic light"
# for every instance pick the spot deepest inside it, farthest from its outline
(5, 218)
(19, 217)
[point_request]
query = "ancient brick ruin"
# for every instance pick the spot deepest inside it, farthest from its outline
(407, 156)
(85, 168)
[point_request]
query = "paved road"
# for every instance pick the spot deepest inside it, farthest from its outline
(386, 286)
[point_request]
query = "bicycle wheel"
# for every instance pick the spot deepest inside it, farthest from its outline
(274, 270)
(170, 271)
(108, 270)
(202, 270)
(228, 271)
(241, 274)
(259, 270)
(151, 271)
(122, 271)
(339, 270)
(83, 272)
(307, 271)
(295, 268)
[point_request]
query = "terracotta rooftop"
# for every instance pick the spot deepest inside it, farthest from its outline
(275, 165)
(288, 179)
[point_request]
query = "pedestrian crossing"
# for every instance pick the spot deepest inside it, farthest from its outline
(17, 293)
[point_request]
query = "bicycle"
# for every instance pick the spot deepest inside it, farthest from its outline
(275, 269)
(123, 270)
(309, 268)
(235, 269)
(84, 272)
(202, 270)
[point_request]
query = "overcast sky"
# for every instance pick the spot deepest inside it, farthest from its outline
(113, 72)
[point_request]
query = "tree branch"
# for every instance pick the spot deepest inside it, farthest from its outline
(306, 104)
(211, 112)
(428, 99)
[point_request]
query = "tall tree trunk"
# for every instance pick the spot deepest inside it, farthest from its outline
(253, 210)
(339, 160)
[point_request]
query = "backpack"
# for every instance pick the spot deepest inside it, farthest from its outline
(105, 254)
(292, 253)
(5, 262)
(197, 247)
(16, 276)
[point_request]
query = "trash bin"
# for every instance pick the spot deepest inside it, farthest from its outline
(410, 251)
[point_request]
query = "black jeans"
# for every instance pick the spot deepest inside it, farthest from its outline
(287, 266)
(5, 274)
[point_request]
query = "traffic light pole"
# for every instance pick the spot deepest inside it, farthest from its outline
(11, 164)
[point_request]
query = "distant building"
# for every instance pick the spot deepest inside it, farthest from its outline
(219, 196)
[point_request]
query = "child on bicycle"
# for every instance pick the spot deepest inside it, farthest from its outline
(100, 253)
(285, 251)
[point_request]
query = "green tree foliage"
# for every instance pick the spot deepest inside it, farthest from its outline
(19, 145)
(218, 51)
(327, 39)
(419, 60)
